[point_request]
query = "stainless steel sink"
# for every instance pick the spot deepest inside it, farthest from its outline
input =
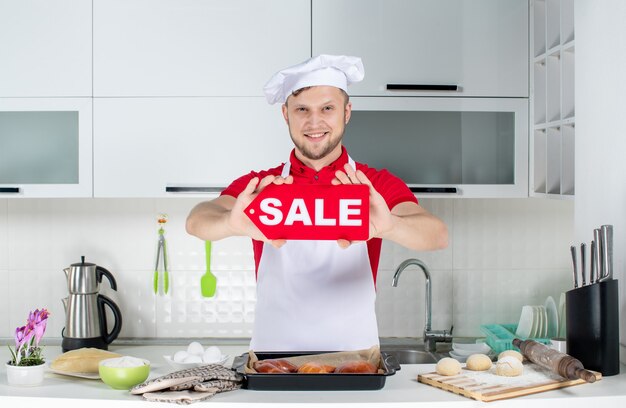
(413, 356)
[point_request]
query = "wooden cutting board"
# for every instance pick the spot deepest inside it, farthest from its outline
(487, 386)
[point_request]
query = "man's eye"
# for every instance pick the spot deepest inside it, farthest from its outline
(301, 109)
(328, 108)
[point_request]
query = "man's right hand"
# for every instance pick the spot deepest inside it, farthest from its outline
(239, 222)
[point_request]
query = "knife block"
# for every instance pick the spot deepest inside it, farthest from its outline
(592, 326)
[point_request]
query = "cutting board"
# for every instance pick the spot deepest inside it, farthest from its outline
(487, 386)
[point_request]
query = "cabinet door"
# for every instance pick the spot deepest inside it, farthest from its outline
(144, 145)
(45, 147)
(479, 45)
(45, 48)
(196, 48)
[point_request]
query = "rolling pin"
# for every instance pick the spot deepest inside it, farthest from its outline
(559, 363)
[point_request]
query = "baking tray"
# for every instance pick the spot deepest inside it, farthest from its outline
(313, 382)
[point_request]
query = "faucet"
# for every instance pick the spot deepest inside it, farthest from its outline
(431, 337)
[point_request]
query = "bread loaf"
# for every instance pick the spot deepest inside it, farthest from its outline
(274, 366)
(83, 360)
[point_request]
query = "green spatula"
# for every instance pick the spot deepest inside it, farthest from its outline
(208, 282)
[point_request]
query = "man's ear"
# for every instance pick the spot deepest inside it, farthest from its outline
(348, 111)
(285, 115)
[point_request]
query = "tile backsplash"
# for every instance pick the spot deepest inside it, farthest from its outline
(503, 253)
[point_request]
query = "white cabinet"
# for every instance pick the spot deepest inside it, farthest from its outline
(481, 46)
(144, 145)
(445, 147)
(45, 147)
(196, 48)
(552, 99)
(45, 48)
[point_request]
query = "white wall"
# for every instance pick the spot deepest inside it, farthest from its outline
(601, 130)
(504, 253)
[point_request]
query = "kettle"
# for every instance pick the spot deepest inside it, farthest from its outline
(85, 313)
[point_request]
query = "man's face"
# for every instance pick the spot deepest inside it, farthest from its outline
(317, 118)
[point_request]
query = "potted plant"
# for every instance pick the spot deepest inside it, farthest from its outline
(26, 366)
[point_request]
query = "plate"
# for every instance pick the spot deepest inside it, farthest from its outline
(525, 324)
(182, 366)
(553, 317)
(543, 322)
(536, 323)
(470, 348)
(89, 376)
(562, 318)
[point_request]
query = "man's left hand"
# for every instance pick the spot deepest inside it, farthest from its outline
(381, 219)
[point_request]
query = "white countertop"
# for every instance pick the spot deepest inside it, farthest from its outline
(401, 389)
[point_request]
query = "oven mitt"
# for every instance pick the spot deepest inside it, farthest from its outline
(178, 397)
(188, 378)
(219, 385)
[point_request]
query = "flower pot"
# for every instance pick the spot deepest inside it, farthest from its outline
(27, 375)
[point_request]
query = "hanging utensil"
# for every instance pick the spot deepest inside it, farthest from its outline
(208, 282)
(592, 263)
(161, 254)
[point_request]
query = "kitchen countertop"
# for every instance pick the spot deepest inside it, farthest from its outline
(401, 389)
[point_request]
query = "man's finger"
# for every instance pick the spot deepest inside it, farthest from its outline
(251, 186)
(342, 177)
(343, 243)
(266, 181)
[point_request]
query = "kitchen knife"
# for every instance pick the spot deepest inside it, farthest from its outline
(583, 256)
(598, 253)
(573, 251)
(592, 264)
(606, 232)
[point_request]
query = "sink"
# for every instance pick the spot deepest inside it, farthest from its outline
(412, 356)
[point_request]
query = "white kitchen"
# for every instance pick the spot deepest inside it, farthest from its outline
(117, 117)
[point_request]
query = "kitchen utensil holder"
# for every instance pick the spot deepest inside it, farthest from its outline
(592, 319)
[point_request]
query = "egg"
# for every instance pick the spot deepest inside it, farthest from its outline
(212, 355)
(180, 356)
(193, 359)
(196, 349)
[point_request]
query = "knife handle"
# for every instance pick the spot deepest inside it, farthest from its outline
(573, 251)
(592, 263)
(583, 262)
(607, 251)
(598, 239)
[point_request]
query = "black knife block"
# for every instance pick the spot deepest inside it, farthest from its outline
(592, 322)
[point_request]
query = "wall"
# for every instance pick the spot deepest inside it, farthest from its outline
(600, 129)
(504, 253)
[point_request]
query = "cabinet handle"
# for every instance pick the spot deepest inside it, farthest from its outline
(175, 189)
(9, 189)
(421, 87)
(438, 190)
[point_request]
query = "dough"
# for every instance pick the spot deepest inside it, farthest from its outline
(511, 353)
(509, 367)
(448, 366)
(83, 360)
(478, 362)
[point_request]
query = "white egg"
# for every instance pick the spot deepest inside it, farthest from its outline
(193, 359)
(212, 355)
(180, 356)
(195, 348)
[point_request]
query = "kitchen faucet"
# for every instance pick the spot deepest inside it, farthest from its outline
(431, 337)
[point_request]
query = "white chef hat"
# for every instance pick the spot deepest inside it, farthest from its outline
(332, 70)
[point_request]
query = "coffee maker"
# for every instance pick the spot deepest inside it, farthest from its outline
(85, 314)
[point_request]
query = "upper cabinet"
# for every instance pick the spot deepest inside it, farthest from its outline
(195, 48)
(156, 147)
(478, 46)
(45, 147)
(45, 48)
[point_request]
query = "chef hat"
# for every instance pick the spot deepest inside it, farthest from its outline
(333, 70)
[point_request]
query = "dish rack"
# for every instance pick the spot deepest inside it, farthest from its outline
(500, 336)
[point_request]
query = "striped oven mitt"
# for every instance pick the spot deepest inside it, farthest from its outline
(190, 385)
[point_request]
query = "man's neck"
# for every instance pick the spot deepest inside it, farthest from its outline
(319, 164)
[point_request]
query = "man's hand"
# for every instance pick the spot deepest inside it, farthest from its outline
(239, 222)
(381, 219)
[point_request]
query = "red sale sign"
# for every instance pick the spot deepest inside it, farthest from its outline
(314, 212)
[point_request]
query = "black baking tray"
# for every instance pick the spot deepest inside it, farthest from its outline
(313, 382)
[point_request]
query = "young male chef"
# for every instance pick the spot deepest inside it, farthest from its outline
(318, 295)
